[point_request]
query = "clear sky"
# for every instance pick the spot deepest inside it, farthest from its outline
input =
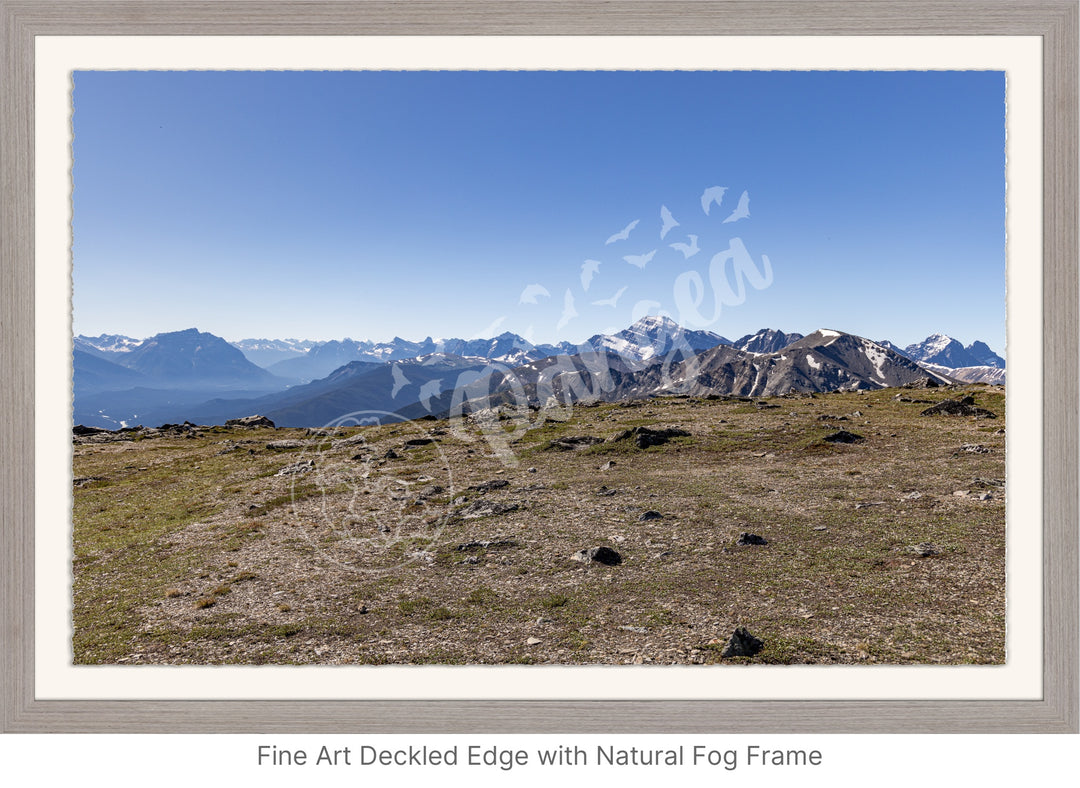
(323, 205)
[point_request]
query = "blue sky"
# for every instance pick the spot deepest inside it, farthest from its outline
(322, 205)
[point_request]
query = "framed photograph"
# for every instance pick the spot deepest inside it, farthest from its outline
(522, 367)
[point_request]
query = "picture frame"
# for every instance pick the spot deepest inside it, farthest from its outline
(1055, 21)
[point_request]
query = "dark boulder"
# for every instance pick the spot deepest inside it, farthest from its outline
(742, 644)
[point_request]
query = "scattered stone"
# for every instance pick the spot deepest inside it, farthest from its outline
(820, 528)
(487, 544)
(843, 436)
(913, 496)
(961, 493)
(484, 508)
(607, 466)
(605, 490)
(650, 515)
(532, 470)
(412, 443)
(494, 484)
(827, 417)
(429, 491)
(747, 538)
(391, 455)
(80, 429)
(469, 559)
(639, 630)
(250, 421)
(964, 407)
(534, 641)
(297, 468)
(353, 441)
(1000, 431)
(742, 644)
(974, 448)
(979, 482)
(363, 610)
(986, 497)
(571, 442)
(601, 555)
(922, 383)
(868, 504)
(284, 445)
(925, 549)
(80, 481)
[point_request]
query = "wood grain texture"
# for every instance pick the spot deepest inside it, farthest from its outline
(1055, 20)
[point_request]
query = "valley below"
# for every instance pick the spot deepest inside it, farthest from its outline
(836, 528)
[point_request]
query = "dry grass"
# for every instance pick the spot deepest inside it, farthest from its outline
(186, 555)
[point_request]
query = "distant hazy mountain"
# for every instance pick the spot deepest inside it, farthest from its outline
(767, 340)
(264, 352)
(982, 353)
(93, 373)
(948, 352)
(374, 390)
(107, 346)
(194, 359)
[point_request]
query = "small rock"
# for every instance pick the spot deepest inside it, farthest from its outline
(532, 470)
(640, 630)
(297, 468)
(414, 442)
(533, 641)
(601, 555)
(607, 466)
(430, 490)
(484, 508)
(925, 549)
(985, 497)
(843, 436)
(747, 538)
(571, 442)
(913, 496)
(974, 448)
(486, 544)
(605, 490)
(650, 515)
(742, 644)
(391, 455)
(250, 421)
(964, 407)
(494, 484)
(961, 493)
(284, 445)
(820, 528)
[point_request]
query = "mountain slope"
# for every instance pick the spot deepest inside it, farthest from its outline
(193, 359)
(767, 340)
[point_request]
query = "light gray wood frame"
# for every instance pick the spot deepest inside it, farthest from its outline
(1054, 20)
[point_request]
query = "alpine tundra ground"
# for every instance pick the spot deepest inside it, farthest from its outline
(425, 542)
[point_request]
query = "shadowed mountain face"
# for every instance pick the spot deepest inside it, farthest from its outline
(96, 373)
(193, 359)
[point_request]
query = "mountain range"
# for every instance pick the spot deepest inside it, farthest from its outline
(196, 376)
